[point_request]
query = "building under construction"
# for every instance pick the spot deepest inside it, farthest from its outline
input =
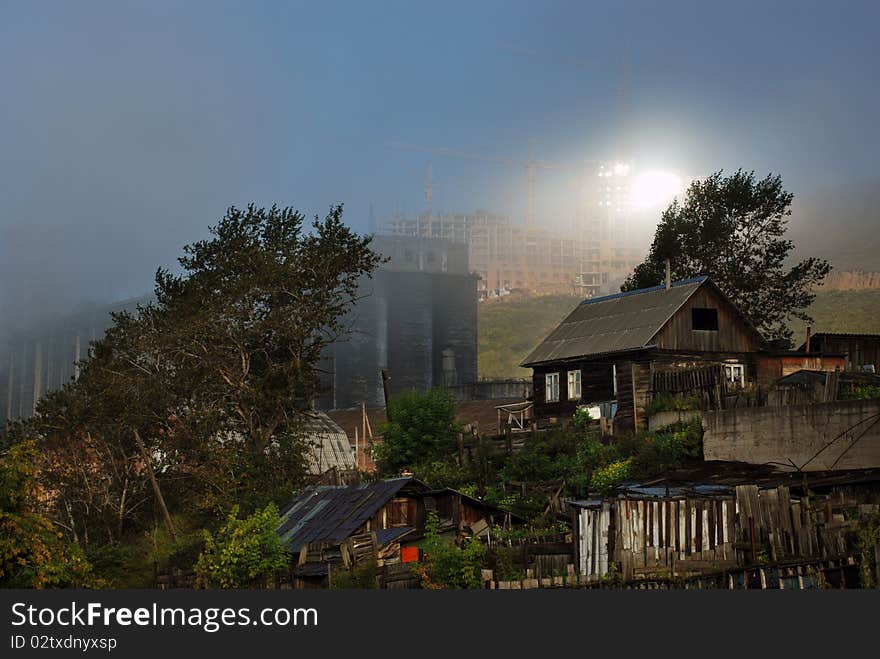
(592, 257)
(43, 358)
(417, 320)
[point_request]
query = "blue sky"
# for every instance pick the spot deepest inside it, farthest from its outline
(126, 128)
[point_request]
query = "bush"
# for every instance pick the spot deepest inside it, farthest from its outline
(446, 565)
(360, 577)
(244, 552)
(606, 478)
(861, 392)
(674, 403)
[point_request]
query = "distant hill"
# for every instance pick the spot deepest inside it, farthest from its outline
(509, 329)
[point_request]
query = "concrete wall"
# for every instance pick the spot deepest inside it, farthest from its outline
(836, 435)
(660, 420)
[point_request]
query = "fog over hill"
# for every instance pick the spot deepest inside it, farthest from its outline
(841, 224)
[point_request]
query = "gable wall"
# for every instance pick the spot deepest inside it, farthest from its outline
(733, 333)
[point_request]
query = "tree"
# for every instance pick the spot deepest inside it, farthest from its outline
(244, 552)
(422, 430)
(33, 553)
(731, 228)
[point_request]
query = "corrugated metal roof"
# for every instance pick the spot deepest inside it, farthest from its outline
(331, 514)
(384, 536)
(329, 446)
(614, 323)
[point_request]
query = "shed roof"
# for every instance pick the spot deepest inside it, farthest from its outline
(614, 323)
(331, 514)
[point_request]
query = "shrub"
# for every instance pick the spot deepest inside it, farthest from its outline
(861, 392)
(605, 478)
(244, 552)
(360, 577)
(665, 402)
(446, 565)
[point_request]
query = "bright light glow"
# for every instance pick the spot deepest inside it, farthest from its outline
(621, 169)
(654, 188)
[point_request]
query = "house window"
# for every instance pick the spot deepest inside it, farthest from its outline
(704, 319)
(614, 378)
(574, 385)
(735, 374)
(551, 391)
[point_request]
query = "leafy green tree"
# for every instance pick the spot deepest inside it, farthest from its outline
(243, 552)
(33, 553)
(213, 376)
(732, 228)
(422, 431)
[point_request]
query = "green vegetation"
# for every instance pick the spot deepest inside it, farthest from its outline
(205, 385)
(421, 434)
(446, 565)
(575, 462)
(868, 537)
(672, 403)
(508, 329)
(33, 553)
(243, 552)
(732, 229)
(360, 577)
(861, 392)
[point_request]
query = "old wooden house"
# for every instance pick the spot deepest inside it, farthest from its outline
(620, 348)
(861, 351)
(330, 528)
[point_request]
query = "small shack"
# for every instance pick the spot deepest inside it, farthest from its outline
(338, 527)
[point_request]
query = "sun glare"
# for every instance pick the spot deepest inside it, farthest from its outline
(654, 188)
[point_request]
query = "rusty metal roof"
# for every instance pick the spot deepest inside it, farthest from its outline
(614, 323)
(331, 514)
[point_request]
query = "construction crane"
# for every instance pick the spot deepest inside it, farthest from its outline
(532, 165)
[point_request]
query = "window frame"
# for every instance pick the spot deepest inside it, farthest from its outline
(548, 387)
(578, 382)
(729, 374)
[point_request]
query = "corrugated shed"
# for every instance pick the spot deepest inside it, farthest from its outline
(331, 514)
(329, 445)
(614, 323)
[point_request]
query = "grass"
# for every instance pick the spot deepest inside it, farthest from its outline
(509, 329)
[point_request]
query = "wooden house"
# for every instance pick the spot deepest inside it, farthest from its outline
(861, 351)
(337, 527)
(620, 349)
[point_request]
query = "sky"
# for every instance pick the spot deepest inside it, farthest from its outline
(127, 128)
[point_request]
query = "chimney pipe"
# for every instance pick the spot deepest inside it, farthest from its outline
(668, 274)
(807, 344)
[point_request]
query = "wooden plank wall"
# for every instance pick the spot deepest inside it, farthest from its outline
(733, 334)
(688, 536)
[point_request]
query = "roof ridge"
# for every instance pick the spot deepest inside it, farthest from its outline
(651, 289)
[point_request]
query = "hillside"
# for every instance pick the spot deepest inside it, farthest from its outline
(509, 329)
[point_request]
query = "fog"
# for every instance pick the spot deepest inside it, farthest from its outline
(128, 128)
